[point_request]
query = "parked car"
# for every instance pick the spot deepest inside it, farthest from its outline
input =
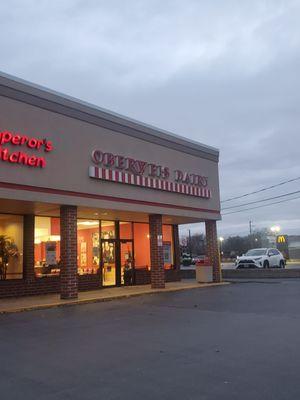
(261, 258)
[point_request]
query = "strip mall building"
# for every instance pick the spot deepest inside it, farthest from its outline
(91, 199)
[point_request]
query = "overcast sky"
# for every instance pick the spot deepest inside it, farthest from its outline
(223, 72)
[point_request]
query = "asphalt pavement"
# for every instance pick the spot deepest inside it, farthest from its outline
(240, 341)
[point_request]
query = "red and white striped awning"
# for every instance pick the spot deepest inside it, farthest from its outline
(148, 182)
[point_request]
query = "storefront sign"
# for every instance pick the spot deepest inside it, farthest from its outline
(127, 170)
(18, 140)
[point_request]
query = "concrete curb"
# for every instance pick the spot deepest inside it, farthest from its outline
(66, 303)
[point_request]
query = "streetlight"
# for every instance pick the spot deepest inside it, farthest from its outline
(221, 241)
(275, 229)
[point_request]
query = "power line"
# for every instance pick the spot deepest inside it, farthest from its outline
(264, 205)
(261, 190)
(266, 199)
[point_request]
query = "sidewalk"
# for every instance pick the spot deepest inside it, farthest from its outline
(18, 304)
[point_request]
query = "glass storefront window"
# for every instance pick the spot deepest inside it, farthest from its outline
(108, 230)
(141, 246)
(125, 230)
(11, 247)
(168, 246)
(108, 262)
(46, 246)
(87, 246)
(126, 258)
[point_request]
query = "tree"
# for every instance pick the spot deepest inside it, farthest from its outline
(237, 245)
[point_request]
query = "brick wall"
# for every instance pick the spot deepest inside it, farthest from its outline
(176, 243)
(37, 286)
(142, 276)
(45, 285)
(212, 248)
(156, 252)
(28, 248)
(89, 282)
(172, 275)
(68, 251)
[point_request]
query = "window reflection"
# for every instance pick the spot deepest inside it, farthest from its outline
(11, 247)
(141, 246)
(87, 246)
(168, 246)
(108, 230)
(47, 246)
(125, 230)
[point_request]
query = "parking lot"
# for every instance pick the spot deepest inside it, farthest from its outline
(239, 341)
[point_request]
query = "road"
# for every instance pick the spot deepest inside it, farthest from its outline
(239, 341)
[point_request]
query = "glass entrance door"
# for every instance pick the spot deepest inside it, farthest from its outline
(108, 262)
(126, 262)
(117, 262)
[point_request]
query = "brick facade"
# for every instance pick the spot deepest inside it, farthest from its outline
(142, 276)
(68, 234)
(69, 282)
(45, 285)
(212, 248)
(156, 252)
(176, 243)
(28, 248)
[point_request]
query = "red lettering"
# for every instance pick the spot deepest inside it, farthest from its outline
(165, 173)
(13, 158)
(153, 170)
(22, 158)
(178, 175)
(108, 159)
(203, 181)
(40, 162)
(16, 139)
(140, 167)
(48, 145)
(39, 143)
(24, 139)
(32, 143)
(97, 156)
(5, 154)
(5, 137)
(31, 161)
(186, 178)
(130, 165)
(120, 162)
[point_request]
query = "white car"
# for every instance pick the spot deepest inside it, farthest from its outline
(261, 258)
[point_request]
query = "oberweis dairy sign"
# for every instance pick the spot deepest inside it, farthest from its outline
(121, 169)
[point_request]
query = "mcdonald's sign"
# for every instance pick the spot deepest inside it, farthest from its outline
(283, 245)
(281, 239)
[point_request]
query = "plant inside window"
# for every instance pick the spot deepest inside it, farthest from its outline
(8, 250)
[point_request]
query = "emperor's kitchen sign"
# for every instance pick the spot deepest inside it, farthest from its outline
(117, 168)
(16, 148)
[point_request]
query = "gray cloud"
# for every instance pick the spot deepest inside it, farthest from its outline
(224, 73)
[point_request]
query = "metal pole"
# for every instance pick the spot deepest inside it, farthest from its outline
(190, 243)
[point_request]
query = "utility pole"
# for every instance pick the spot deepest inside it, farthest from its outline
(251, 231)
(190, 243)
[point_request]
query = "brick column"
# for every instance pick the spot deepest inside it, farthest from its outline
(68, 251)
(176, 247)
(28, 247)
(212, 249)
(156, 252)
